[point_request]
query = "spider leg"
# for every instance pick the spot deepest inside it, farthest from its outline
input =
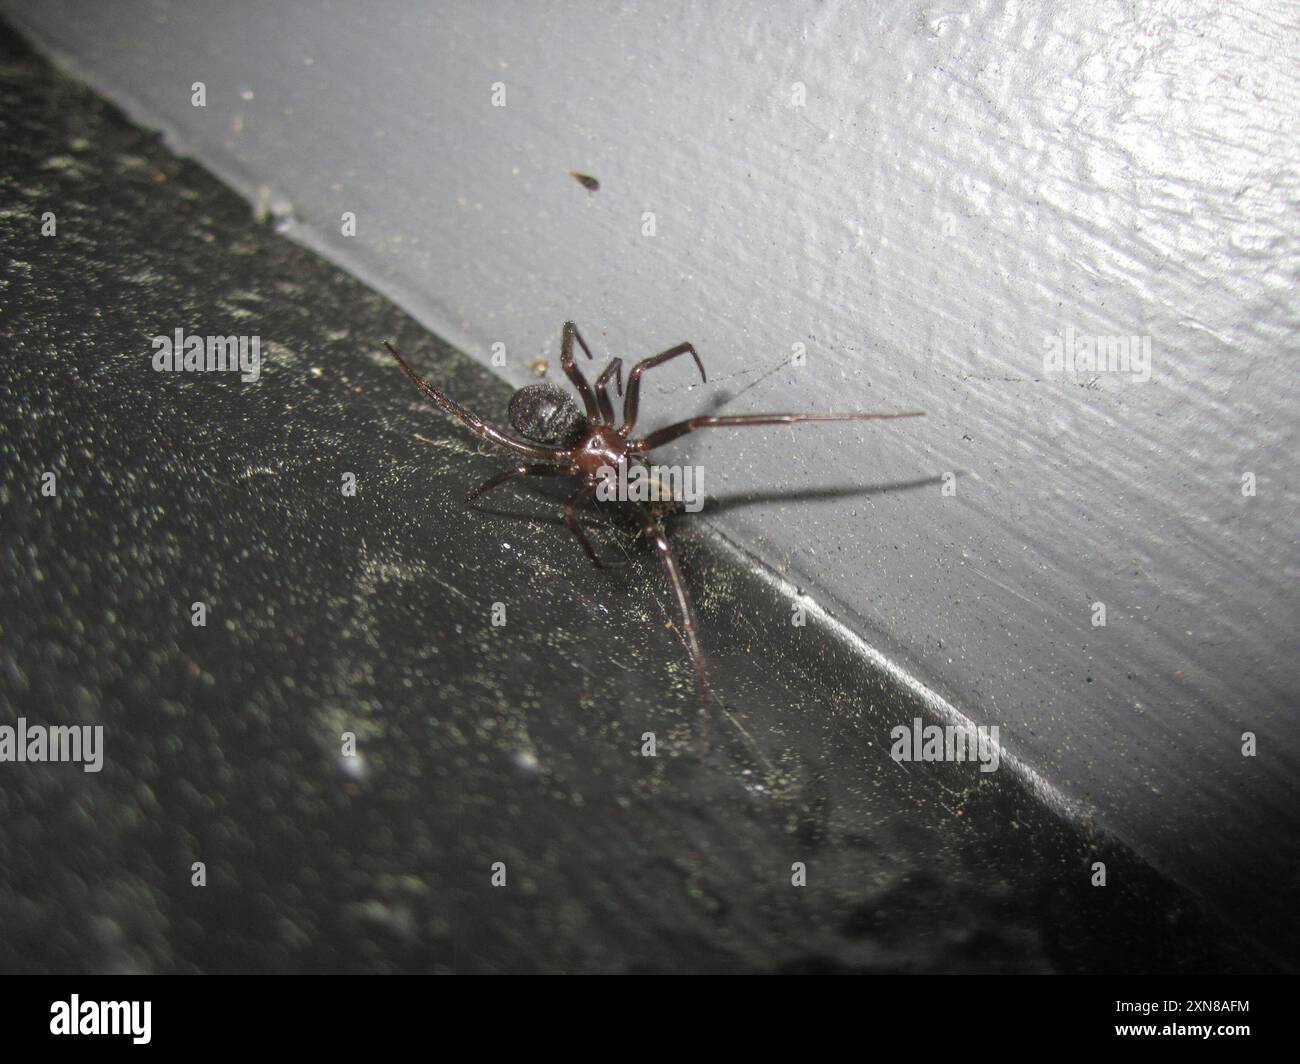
(475, 423)
(615, 370)
(633, 399)
(671, 432)
(528, 470)
(574, 374)
(690, 627)
(574, 525)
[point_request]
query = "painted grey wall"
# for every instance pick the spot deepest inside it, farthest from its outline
(924, 196)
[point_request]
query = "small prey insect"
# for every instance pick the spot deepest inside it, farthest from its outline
(559, 440)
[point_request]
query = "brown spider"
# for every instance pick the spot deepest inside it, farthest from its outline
(561, 441)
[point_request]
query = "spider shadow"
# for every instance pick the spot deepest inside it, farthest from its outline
(732, 502)
(626, 528)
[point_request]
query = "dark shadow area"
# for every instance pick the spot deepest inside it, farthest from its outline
(858, 491)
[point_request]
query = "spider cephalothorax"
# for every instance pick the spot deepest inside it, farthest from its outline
(563, 441)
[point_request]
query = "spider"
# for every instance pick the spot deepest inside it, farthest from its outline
(562, 441)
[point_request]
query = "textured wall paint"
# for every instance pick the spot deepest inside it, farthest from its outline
(958, 187)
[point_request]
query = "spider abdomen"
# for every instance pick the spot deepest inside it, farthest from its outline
(547, 414)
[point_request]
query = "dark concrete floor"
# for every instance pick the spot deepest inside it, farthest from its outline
(372, 614)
